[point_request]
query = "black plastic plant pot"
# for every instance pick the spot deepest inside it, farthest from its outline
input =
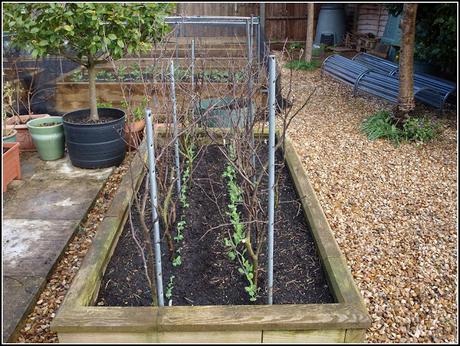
(95, 145)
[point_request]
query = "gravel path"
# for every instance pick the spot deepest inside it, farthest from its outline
(393, 210)
(36, 327)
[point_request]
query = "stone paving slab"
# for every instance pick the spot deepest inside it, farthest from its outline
(29, 246)
(52, 199)
(63, 169)
(41, 213)
(19, 296)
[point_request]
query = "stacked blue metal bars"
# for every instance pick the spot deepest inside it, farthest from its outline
(363, 78)
(377, 63)
(383, 86)
(436, 90)
(343, 69)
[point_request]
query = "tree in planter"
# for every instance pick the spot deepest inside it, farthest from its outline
(86, 33)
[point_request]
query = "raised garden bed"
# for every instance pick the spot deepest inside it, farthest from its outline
(344, 320)
(72, 88)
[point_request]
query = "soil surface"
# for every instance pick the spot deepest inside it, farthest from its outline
(49, 124)
(87, 120)
(207, 276)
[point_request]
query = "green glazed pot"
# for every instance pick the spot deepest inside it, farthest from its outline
(49, 140)
(11, 137)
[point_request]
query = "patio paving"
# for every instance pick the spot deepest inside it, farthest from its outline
(41, 212)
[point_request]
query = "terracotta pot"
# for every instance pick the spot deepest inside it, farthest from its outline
(11, 165)
(134, 133)
(23, 136)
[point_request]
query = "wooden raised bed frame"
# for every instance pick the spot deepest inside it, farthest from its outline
(345, 321)
(70, 95)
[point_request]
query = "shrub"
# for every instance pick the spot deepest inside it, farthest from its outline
(379, 125)
(296, 45)
(302, 65)
(415, 129)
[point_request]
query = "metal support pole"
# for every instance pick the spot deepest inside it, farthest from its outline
(258, 42)
(153, 198)
(177, 40)
(193, 65)
(176, 137)
(271, 172)
(249, 34)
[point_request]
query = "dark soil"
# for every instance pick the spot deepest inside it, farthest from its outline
(87, 120)
(48, 124)
(207, 276)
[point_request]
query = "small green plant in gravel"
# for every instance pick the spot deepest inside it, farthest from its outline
(414, 129)
(239, 236)
(420, 129)
(302, 65)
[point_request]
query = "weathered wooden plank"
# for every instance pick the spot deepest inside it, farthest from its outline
(211, 318)
(210, 337)
(341, 281)
(106, 319)
(110, 338)
(309, 336)
(324, 238)
(267, 317)
(355, 335)
(74, 95)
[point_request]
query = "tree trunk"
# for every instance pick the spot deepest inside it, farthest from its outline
(92, 92)
(309, 40)
(406, 101)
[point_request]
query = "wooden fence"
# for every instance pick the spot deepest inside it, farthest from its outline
(283, 21)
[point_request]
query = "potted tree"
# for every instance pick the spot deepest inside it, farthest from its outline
(89, 33)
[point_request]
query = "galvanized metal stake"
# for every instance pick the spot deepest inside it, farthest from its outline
(271, 171)
(154, 199)
(249, 34)
(176, 137)
(193, 65)
(258, 41)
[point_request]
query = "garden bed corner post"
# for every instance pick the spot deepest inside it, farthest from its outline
(271, 171)
(153, 197)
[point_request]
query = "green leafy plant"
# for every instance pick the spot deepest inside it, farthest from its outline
(302, 65)
(180, 227)
(436, 36)
(420, 129)
(238, 238)
(170, 287)
(177, 261)
(296, 45)
(380, 125)
(414, 129)
(86, 32)
(104, 104)
(105, 75)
